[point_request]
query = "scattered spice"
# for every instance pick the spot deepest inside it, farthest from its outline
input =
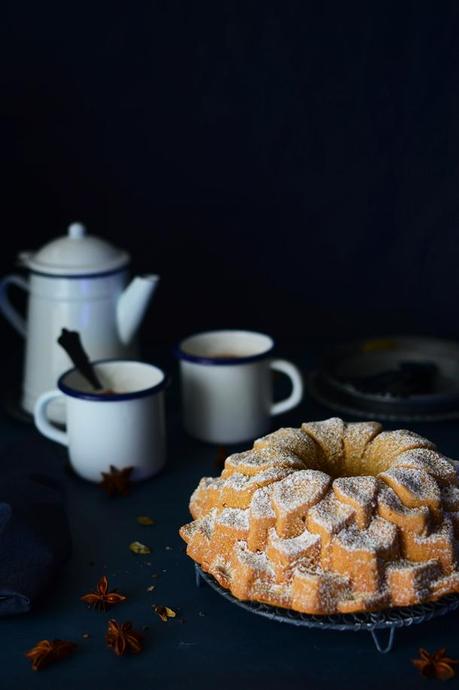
(46, 652)
(102, 599)
(139, 548)
(220, 458)
(151, 588)
(117, 482)
(164, 612)
(436, 665)
(145, 520)
(85, 636)
(122, 638)
(168, 548)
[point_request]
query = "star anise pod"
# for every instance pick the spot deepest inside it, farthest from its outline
(436, 665)
(117, 482)
(122, 638)
(102, 599)
(47, 651)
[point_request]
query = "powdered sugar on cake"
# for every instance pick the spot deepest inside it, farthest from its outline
(305, 487)
(380, 535)
(339, 518)
(294, 546)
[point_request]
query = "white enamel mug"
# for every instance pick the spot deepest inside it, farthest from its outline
(227, 385)
(123, 429)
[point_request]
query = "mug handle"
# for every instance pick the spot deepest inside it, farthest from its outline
(295, 377)
(7, 309)
(42, 422)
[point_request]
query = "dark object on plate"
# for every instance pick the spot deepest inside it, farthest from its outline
(70, 341)
(411, 378)
(398, 378)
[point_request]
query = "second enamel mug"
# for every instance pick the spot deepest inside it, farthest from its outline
(227, 391)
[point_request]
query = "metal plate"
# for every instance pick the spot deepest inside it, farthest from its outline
(332, 383)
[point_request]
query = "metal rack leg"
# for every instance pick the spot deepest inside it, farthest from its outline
(198, 577)
(378, 645)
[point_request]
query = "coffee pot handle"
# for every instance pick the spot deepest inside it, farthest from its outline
(294, 375)
(6, 308)
(42, 422)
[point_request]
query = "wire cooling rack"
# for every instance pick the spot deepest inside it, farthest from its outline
(389, 619)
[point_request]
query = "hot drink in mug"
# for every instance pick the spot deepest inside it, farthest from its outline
(123, 425)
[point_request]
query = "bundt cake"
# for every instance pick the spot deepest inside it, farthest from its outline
(332, 517)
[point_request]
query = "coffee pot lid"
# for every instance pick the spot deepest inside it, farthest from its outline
(74, 254)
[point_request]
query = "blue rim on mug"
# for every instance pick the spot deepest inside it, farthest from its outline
(113, 397)
(235, 360)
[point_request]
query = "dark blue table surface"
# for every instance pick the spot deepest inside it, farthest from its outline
(212, 644)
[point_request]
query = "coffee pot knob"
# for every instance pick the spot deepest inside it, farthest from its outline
(76, 231)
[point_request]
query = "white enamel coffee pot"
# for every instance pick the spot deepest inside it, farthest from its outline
(78, 282)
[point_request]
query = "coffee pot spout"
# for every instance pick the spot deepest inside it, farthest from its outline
(132, 305)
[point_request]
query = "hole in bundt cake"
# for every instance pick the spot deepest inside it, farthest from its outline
(356, 449)
(349, 468)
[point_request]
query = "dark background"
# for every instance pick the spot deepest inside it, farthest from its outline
(291, 167)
